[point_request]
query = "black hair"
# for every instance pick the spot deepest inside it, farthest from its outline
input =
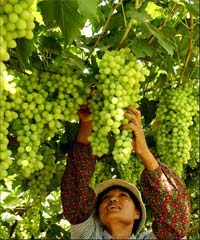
(134, 198)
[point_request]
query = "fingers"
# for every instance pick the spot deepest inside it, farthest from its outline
(134, 115)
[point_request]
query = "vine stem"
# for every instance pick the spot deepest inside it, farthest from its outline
(190, 48)
(171, 14)
(128, 28)
(114, 7)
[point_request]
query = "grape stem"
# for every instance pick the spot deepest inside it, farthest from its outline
(114, 7)
(190, 48)
(20, 211)
(161, 26)
(128, 28)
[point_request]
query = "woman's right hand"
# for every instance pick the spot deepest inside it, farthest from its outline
(85, 125)
(84, 113)
(139, 142)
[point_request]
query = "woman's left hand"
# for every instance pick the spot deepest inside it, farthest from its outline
(139, 141)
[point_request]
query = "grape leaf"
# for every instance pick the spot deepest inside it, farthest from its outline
(141, 17)
(24, 50)
(193, 8)
(140, 48)
(89, 10)
(65, 14)
(164, 42)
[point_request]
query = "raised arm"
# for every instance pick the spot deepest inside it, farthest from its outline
(163, 190)
(78, 199)
(139, 142)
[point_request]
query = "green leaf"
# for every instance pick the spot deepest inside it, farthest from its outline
(24, 50)
(193, 8)
(11, 200)
(66, 16)
(50, 44)
(154, 10)
(164, 42)
(89, 10)
(141, 17)
(140, 48)
(148, 109)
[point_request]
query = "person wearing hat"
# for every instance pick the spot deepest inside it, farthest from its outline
(115, 208)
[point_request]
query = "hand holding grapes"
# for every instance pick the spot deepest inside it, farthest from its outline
(139, 142)
(84, 114)
(85, 125)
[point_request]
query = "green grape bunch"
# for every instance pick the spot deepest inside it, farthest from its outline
(16, 21)
(29, 226)
(118, 86)
(174, 115)
(40, 180)
(35, 110)
(131, 170)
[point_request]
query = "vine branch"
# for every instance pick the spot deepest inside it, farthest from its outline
(114, 7)
(171, 14)
(190, 48)
(128, 28)
(194, 230)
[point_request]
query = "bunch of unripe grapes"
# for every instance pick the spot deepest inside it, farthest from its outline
(42, 102)
(118, 86)
(103, 171)
(40, 180)
(16, 21)
(174, 117)
(194, 136)
(29, 226)
(131, 170)
(7, 115)
(7, 82)
(4, 232)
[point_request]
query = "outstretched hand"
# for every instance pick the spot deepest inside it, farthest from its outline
(139, 141)
(85, 125)
(84, 113)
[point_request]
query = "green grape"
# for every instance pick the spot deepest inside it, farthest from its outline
(40, 115)
(17, 21)
(118, 86)
(6, 80)
(103, 171)
(29, 226)
(194, 136)
(4, 232)
(6, 117)
(38, 184)
(174, 117)
(130, 171)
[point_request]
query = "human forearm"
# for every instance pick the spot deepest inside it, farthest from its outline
(167, 196)
(140, 146)
(78, 199)
(84, 131)
(148, 160)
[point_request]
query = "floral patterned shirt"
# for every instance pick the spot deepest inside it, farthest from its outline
(162, 189)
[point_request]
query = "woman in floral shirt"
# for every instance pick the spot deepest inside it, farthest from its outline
(115, 209)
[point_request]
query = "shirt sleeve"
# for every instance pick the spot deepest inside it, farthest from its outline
(78, 199)
(169, 200)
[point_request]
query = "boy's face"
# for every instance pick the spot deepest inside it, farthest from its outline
(117, 206)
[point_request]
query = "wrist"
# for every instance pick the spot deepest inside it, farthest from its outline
(84, 131)
(148, 160)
